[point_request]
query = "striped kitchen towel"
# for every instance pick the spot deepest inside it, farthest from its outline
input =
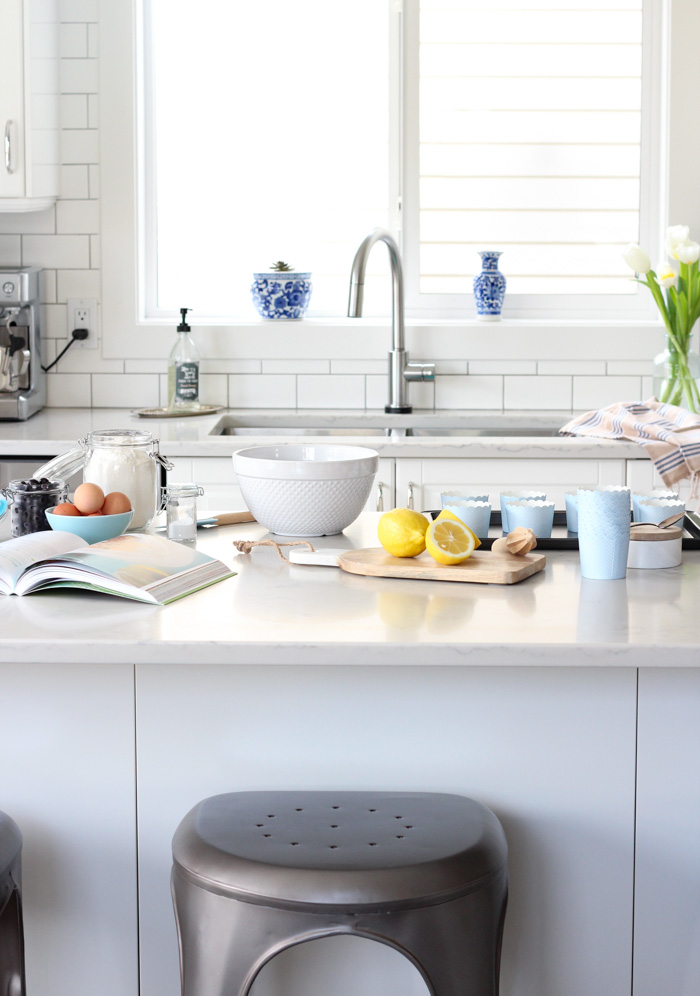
(670, 435)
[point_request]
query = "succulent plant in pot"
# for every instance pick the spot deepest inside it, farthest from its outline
(281, 292)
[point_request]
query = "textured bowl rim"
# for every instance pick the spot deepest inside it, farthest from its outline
(286, 461)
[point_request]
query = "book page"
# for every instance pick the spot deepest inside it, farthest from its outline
(134, 564)
(21, 552)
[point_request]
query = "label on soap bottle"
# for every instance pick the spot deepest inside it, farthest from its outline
(186, 381)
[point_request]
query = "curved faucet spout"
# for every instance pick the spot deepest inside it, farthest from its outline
(400, 370)
(357, 281)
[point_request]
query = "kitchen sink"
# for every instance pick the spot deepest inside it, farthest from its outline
(420, 425)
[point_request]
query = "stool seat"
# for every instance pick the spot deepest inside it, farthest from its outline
(340, 849)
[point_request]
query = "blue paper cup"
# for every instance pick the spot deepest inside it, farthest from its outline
(639, 496)
(535, 515)
(658, 509)
(517, 494)
(603, 532)
(450, 497)
(475, 514)
(571, 498)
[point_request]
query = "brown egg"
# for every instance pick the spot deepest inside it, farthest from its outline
(88, 498)
(66, 508)
(91, 515)
(115, 503)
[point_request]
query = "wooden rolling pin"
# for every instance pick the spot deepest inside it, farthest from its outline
(226, 519)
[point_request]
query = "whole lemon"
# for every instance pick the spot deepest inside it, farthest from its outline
(402, 532)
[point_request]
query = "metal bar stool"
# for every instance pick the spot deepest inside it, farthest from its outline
(257, 872)
(12, 981)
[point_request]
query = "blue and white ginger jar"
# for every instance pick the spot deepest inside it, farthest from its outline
(489, 288)
(281, 295)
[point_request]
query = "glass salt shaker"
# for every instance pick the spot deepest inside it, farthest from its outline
(180, 502)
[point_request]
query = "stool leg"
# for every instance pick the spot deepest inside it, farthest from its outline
(224, 943)
(12, 981)
(456, 945)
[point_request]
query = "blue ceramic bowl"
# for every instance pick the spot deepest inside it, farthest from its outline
(281, 295)
(91, 528)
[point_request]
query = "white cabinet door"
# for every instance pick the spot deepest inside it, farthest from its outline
(29, 110)
(68, 780)
(11, 100)
(642, 476)
(424, 480)
(667, 875)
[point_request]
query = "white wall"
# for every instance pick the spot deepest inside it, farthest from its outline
(513, 365)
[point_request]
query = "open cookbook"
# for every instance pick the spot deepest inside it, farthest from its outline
(134, 565)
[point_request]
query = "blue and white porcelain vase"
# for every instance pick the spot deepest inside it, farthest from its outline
(489, 288)
(281, 294)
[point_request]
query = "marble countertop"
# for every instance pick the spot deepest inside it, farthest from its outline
(56, 430)
(276, 613)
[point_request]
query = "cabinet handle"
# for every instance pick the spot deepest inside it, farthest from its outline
(411, 494)
(380, 496)
(9, 165)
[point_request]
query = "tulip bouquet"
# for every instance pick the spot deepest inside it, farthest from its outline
(675, 287)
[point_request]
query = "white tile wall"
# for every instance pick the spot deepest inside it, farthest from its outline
(262, 391)
(275, 370)
(537, 392)
(336, 391)
(469, 392)
(597, 392)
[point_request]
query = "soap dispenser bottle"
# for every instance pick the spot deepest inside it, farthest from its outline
(183, 369)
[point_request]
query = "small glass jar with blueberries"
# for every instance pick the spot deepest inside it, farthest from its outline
(29, 500)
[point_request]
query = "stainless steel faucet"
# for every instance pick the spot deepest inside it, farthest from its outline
(401, 371)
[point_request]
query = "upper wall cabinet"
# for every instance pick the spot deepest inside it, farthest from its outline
(29, 105)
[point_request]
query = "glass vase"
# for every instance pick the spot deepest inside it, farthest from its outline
(677, 376)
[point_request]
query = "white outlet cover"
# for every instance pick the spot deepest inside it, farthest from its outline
(88, 304)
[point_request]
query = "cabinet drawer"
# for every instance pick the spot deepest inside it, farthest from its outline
(428, 478)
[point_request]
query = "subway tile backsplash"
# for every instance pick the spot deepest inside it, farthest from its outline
(275, 369)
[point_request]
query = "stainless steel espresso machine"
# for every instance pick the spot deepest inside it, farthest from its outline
(22, 383)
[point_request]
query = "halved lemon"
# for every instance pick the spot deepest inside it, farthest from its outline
(449, 541)
(447, 514)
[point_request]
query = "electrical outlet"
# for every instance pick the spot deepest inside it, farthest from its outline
(82, 314)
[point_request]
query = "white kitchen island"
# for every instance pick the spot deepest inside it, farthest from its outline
(569, 707)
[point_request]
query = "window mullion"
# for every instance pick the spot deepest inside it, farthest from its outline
(410, 172)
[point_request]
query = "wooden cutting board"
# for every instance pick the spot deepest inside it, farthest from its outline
(483, 567)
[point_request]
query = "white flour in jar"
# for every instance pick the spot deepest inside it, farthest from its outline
(129, 469)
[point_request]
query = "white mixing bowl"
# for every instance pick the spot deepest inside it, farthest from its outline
(300, 490)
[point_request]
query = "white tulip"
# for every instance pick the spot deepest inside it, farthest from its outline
(688, 252)
(667, 274)
(674, 235)
(636, 258)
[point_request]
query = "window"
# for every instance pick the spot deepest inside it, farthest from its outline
(531, 127)
(530, 141)
(269, 140)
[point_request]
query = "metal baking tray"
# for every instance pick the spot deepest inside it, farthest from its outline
(561, 539)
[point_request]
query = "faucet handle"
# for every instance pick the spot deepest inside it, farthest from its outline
(419, 371)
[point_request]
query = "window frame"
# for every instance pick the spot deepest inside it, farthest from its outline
(551, 306)
(122, 169)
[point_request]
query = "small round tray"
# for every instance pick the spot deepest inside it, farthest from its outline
(164, 413)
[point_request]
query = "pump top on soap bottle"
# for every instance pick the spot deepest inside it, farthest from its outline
(183, 369)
